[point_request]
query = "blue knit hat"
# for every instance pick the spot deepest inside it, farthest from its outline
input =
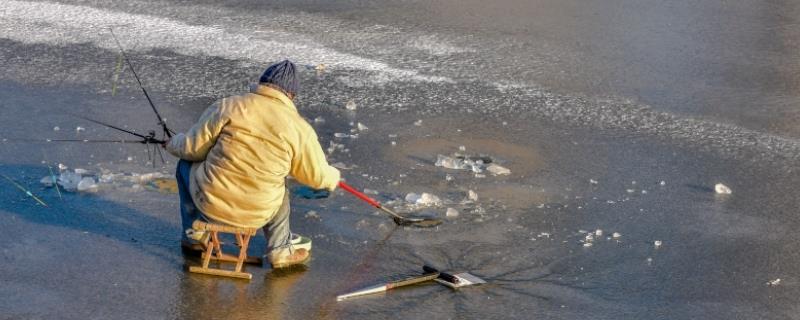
(282, 75)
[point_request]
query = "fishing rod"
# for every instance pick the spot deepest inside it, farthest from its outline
(150, 138)
(70, 140)
(28, 192)
(167, 132)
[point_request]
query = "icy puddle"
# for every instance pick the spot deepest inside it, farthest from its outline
(520, 160)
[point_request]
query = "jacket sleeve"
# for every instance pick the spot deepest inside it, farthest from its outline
(195, 144)
(310, 167)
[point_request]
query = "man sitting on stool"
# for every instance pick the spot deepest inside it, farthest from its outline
(235, 159)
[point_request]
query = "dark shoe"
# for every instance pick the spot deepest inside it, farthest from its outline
(192, 248)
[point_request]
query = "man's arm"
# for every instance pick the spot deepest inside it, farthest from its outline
(310, 167)
(195, 144)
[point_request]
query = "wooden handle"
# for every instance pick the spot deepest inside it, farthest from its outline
(415, 280)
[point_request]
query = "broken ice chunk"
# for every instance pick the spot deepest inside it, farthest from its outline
(69, 181)
(722, 189)
(333, 146)
(588, 244)
(350, 105)
(425, 199)
(462, 148)
(616, 235)
(476, 168)
(498, 170)
(362, 127)
(450, 163)
(62, 167)
(451, 213)
(311, 214)
(472, 196)
(79, 129)
(593, 181)
(598, 232)
(418, 123)
(56, 128)
(428, 199)
(774, 282)
(87, 184)
(657, 244)
(48, 181)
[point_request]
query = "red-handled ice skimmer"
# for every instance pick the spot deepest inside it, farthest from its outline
(424, 222)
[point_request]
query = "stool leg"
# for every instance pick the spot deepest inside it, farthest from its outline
(215, 250)
(242, 252)
(238, 239)
(215, 241)
(209, 251)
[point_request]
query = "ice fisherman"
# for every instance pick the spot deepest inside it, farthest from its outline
(235, 159)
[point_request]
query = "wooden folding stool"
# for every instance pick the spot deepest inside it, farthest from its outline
(213, 250)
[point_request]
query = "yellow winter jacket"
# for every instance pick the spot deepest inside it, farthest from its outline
(243, 148)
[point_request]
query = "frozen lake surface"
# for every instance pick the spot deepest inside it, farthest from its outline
(616, 120)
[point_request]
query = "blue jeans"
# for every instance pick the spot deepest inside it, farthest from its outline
(276, 231)
(189, 212)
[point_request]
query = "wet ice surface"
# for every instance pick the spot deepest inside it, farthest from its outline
(522, 232)
(577, 165)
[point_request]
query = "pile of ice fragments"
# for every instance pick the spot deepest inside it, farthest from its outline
(475, 163)
(82, 180)
(425, 202)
